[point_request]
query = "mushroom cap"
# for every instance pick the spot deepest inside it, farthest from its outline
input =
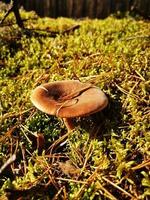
(69, 98)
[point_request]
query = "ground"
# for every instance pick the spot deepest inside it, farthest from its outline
(107, 156)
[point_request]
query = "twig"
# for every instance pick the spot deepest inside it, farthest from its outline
(14, 114)
(8, 162)
(6, 14)
(129, 94)
(144, 164)
(85, 185)
(86, 158)
(56, 32)
(118, 187)
(30, 142)
(40, 32)
(25, 128)
(108, 194)
(24, 157)
(126, 92)
(14, 9)
(71, 180)
(47, 33)
(73, 28)
(76, 153)
(56, 197)
(138, 73)
(58, 142)
(7, 134)
(54, 156)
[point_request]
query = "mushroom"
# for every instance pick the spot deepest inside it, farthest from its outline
(68, 99)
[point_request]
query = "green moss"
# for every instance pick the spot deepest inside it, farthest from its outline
(108, 151)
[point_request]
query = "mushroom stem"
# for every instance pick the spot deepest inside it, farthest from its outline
(68, 123)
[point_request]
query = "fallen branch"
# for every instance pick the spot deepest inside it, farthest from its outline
(47, 33)
(73, 28)
(6, 14)
(14, 8)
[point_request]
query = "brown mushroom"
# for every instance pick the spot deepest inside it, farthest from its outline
(68, 99)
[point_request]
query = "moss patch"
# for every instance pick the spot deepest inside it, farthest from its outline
(108, 155)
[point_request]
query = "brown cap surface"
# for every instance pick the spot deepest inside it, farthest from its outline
(69, 99)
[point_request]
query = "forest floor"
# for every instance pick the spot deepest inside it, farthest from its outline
(107, 155)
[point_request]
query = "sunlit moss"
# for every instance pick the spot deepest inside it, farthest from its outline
(114, 55)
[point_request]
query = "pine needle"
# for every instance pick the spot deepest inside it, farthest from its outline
(118, 187)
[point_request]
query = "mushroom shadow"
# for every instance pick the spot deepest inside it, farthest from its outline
(101, 124)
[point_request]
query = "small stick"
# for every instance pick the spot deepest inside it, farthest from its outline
(126, 92)
(85, 185)
(116, 186)
(71, 180)
(86, 158)
(129, 94)
(106, 192)
(24, 157)
(6, 14)
(8, 162)
(14, 8)
(73, 28)
(138, 73)
(14, 114)
(144, 164)
(57, 142)
(58, 193)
